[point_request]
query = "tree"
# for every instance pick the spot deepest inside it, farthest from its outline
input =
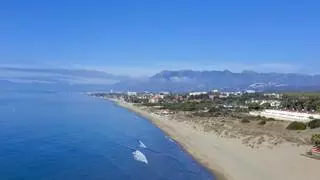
(254, 106)
(266, 105)
(315, 139)
(317, 108)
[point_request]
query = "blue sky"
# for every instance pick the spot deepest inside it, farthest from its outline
(144, 37)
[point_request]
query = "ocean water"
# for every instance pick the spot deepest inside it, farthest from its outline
(70, 136)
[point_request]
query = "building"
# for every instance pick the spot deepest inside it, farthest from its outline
(165, 93)
(273, 103)
(129, 93)
(215, 91)
(238, 93)
(250, 91)
(153, 100)
(197, 93)
(274, 95)
(224, 94)
(212, 96)
(287, 115)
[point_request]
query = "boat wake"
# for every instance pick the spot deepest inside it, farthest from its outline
(139, 156)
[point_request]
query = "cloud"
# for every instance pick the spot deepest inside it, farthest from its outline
(57, 75)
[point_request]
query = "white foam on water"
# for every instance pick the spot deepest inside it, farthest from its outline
(169, 139)
(139, 156)
(142, 145)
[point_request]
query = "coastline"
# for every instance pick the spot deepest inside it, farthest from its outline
(229, 158)
(213, 168)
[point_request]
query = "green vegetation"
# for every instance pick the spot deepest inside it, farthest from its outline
(301, 101)
(315, 139)
(255, 107)
(296, 126)
(303, 94)
(245, 120)
(151, 104)
(271, 119)
(314, 124)
(187, 106)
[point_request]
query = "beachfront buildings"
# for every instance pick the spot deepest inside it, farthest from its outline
(286, 115)
(273, 103)
(130, 93)
(197, 93)
(273, 95)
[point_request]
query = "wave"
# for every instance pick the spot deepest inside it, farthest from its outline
(142, 145)
(139, 156)
(169, 139)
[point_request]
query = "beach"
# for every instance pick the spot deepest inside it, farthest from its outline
(228, 157)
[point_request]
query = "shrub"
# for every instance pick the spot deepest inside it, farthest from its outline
(271, 119)
(262, 122)
(314, 124)
(244, 121)
(217, 114)
(202, 114)
(315, 139)
(296, 126)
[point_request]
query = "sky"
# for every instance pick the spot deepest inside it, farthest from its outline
(144, 37)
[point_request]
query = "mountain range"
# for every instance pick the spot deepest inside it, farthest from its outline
(179, 80)
(189, 80)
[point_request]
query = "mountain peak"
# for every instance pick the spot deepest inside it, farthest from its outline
(187, 80)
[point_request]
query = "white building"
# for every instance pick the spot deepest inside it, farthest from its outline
(239, 93)
(129, 93)
(275, 103)
(165, 93)
(224, 94)
(287, 115)
(197, 93)
(153, 100)
(275, 95)
(250, 91)
(272, 103)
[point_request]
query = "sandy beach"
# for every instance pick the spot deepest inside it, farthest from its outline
(229, 158)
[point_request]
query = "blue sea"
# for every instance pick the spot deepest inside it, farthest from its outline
(71, 136)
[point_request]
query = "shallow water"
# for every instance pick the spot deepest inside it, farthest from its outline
(56, 136)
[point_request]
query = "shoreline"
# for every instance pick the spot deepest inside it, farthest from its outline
(214, 169)
(229, 158)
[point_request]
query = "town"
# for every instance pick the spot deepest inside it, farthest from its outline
(301, 107)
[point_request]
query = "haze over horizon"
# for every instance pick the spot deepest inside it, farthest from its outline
(142, 38)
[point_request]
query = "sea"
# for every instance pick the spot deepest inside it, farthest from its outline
(47, 135)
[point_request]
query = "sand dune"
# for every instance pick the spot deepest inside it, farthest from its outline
(229, 158)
